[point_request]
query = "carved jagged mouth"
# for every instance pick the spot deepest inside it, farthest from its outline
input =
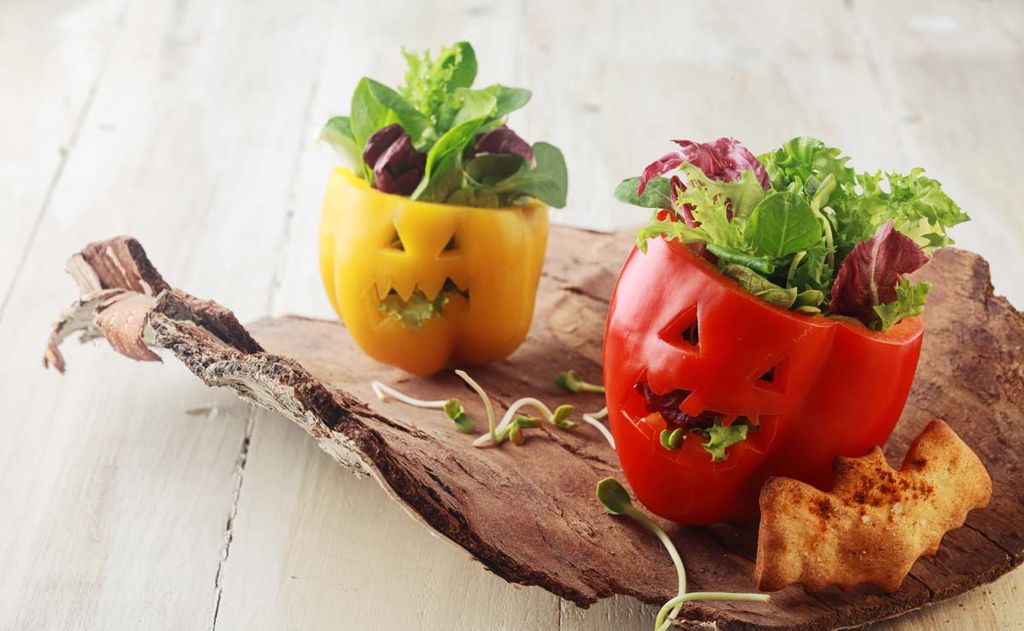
(668, 406)
(719, 429)
(419, 307)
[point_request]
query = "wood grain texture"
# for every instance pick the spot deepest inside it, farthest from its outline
(561, 540)
(198, 133)
(96, 532)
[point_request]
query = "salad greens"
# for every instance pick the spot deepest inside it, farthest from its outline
(438, 139)
(798, 227)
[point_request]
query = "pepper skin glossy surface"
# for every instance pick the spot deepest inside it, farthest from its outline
(815, 387)
(373, 243)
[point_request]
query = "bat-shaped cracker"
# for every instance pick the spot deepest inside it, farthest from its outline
(876, 521)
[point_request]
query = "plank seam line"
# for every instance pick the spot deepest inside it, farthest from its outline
(229, 527)
(51, 187)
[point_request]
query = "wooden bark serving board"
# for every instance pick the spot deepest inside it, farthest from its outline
(528, 513)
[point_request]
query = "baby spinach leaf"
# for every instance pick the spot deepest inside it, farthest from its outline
(447, 152)
(474, 104)
(782, 224)
(547, 180)
(463, 65)
(441, 116)
(374, 106)
(442, 186)
(509, 100)
(657, 194)
(491, 168)
(338, 134)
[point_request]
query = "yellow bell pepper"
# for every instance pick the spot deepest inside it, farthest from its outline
(376, 247)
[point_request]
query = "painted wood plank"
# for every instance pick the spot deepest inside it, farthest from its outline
(313, 546)
(115, 506)
(662, 76)
(61, 50)
(196, 137)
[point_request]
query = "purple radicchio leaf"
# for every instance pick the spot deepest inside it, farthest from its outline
(724, 159)
(502, 140)
(397, 166)
(869, 274)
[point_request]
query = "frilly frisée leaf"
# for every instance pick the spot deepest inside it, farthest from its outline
(803, 231)
(909, 302)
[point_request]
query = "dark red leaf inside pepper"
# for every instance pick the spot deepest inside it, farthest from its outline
(869, 274)
(503, 140)
(397, 166)
(724, 159)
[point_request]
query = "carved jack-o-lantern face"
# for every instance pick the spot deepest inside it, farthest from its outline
(686, 347)
(379, 250)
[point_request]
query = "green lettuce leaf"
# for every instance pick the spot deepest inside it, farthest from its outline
(758, 285)
(719, 437)
(917, 206)
(430, 81)
(414, 311)
(802, 163)
(909, 302)
(725, 254)
(741, 196)
(446, 156)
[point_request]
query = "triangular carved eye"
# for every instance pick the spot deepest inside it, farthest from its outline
(452, 245)
(775, 378)
(684, 331)
(395, 243)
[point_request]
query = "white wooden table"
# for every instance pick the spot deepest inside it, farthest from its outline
(131, 497)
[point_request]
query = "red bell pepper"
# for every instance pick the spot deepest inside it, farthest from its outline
(686, 346)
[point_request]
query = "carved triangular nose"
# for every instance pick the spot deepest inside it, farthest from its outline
(425, 234)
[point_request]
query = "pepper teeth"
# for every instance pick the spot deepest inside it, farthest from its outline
(431, 284)
(383, 287)
(460, 279)
(386, 284)
(403, 286)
